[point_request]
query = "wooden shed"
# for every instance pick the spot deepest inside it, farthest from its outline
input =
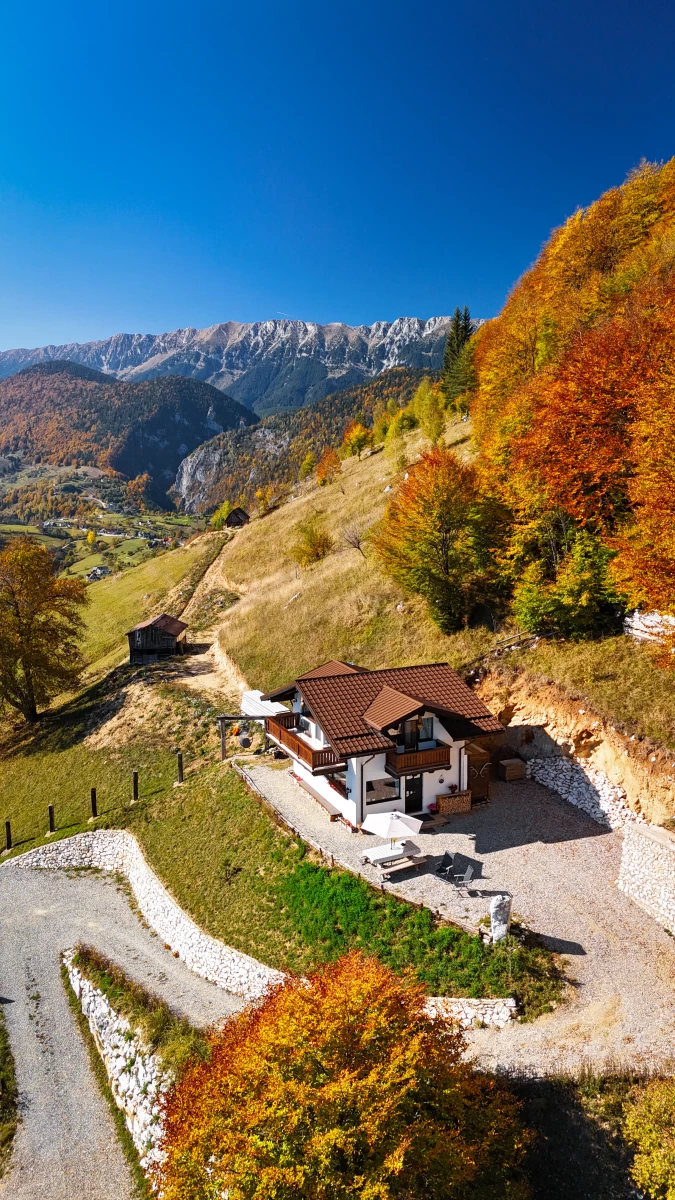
(158, 637)
(236, 518)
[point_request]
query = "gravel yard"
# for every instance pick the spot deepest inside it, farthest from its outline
(561, 869)
(66, 1145)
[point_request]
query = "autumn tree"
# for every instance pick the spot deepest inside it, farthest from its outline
(439, 538)
(312, 540)
(307, 466)
(221, 514)
(329, 467)
(336, 1088)
(40, 627)
(429, 410)
(356, 438)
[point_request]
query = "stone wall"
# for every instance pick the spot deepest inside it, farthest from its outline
(118, 850)
(647, 872)
(472, 1014)
(136, 1076)
(585, 787)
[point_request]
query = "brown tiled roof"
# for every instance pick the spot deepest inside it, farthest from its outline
(340, 703)
(167, 624)
(334, 667)
(389, 707)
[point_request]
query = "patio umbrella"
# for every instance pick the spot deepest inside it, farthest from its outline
(391, 825)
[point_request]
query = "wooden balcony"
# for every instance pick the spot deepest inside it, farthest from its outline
(417, 760)
(317, 760)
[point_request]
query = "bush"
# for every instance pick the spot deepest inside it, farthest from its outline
(580, 603)
(650, 1128)
(336, 1088)
(313, 541)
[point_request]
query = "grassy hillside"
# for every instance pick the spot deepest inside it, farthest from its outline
(289, 619)
(121, 601)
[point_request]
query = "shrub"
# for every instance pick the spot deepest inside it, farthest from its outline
(313, 541)
(650, 1128)
(340, 1087)
(581, 602)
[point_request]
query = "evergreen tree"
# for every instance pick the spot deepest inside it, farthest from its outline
(454, 357)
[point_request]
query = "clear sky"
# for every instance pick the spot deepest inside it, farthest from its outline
(166, 164)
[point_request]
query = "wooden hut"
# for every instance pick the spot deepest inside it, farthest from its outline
(158, 637)
(236, 518)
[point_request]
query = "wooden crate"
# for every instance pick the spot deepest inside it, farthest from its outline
(511, 768)
(454, 802)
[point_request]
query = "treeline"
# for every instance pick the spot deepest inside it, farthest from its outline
(567, 516)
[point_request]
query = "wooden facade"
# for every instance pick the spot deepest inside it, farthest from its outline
(159, 637)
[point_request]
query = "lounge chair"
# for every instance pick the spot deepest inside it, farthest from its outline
(464, 881)
(445, 866)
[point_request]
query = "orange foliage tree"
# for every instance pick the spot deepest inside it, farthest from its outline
(441, 536)
(356, 438)
(340, 1087)
(329, 467)
(40, 625)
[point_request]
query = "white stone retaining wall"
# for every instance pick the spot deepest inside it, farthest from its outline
(136, 1076)
(586, 788)
(469, 1014)
(118, 850)
(647, 872)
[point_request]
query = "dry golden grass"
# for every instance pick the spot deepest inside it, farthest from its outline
(289, 619)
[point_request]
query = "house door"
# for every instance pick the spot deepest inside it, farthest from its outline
(413, 793)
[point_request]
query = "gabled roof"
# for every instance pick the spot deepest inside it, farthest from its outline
(389, 707)
(334, 667)
(354, 706)
(164, 622)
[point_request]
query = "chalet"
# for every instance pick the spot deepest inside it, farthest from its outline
(236, 518)
(379, 741)
(158, 637)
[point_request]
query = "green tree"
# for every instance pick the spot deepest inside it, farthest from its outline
(40, 627)
(581, 602)
(458, 375)
(221, 514)
(440, 537)
(308, 465)
(429, 411)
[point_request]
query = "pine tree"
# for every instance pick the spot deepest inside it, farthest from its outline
(461, 330)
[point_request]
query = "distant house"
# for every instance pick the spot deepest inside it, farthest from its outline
(159, 637)
(97, 573)
(236, 518)
(379, 741)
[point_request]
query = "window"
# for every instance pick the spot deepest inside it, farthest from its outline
(379, 790)
(427, 730)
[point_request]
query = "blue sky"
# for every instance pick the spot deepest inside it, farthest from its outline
(166, 164)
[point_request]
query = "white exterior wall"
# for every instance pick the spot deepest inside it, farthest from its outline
(321, 785)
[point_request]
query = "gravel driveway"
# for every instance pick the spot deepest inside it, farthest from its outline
(561, 869)
(66, 1147)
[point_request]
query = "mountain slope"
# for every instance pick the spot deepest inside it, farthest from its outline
(243, 460)
(61, 412)
(268, 366)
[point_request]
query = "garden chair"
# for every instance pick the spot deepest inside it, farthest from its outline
(444, 868)
(464, 881)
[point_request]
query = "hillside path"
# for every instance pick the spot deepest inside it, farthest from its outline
(66, 1145)
(561, 869)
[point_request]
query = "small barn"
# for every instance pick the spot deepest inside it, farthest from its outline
(236, 518)
(158, 637)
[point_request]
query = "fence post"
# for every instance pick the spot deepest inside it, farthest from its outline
(134, 776)
(8, 836)
(94, 806)
(222, 740)
(52, 826)
(179, 759)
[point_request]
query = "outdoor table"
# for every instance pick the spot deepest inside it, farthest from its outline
(383, 854)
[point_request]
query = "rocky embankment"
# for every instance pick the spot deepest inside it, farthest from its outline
(623, 775)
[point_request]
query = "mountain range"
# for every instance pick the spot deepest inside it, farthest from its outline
(268, 366)
(65, 413)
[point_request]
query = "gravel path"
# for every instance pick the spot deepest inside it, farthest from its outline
(561, 869)
(66, 1146)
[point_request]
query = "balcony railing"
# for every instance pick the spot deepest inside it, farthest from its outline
(417, 760)
(316, 760)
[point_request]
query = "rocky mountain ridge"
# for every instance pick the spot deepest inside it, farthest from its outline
(267, 366)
